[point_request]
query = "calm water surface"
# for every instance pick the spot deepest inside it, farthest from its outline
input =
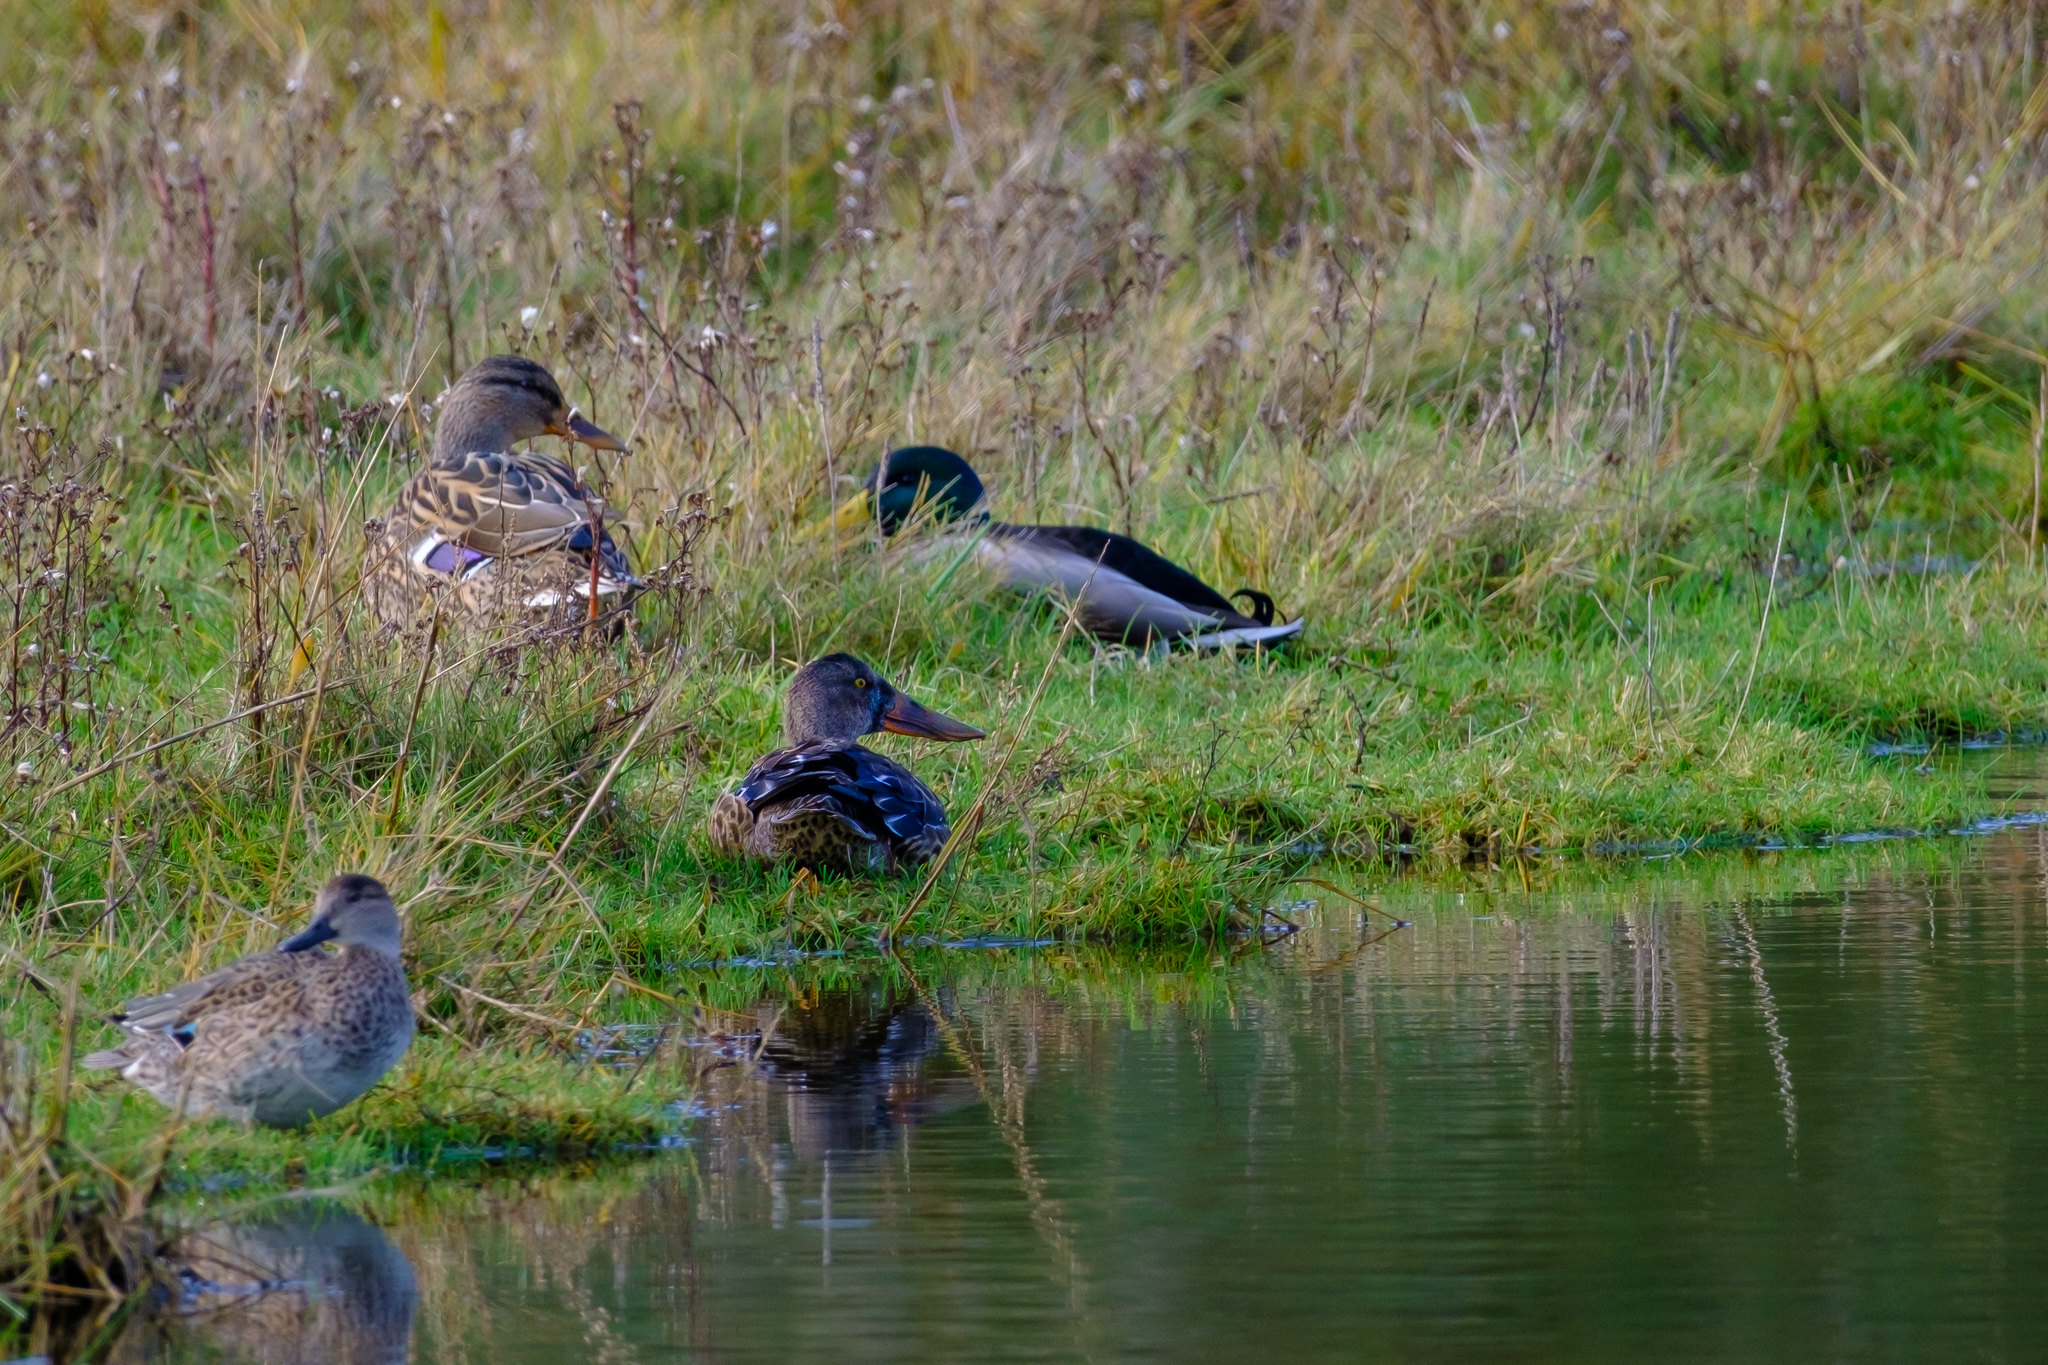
(1782, 1107)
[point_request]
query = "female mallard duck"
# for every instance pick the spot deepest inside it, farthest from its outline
(500, 532)
(282, 1037)
(824, 801)
(1122, 591)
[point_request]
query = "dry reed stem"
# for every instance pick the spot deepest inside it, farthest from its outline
(970, 825)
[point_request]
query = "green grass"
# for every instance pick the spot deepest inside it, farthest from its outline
(1600, 428)
(450, 1108)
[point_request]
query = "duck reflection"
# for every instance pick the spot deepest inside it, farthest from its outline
(308, 1283)
(851, 1069)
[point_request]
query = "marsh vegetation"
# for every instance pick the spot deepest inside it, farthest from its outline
(1642, 404)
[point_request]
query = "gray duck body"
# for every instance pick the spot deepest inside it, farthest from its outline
(283, 1037)
(1121, 590)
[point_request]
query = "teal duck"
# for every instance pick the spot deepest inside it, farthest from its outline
(1123, 592)
(288, 1282)
(497, 533)
(824, 801)
(282, 1037)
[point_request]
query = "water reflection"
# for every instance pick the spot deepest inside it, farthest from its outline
(304, 1283)
(1760, 1107)
(851, 1068)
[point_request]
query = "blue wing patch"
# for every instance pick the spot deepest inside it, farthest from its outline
(876, 795)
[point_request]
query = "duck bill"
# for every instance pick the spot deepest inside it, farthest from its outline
(590, 434)
(854, 513)
(312, 937)
(906, 717)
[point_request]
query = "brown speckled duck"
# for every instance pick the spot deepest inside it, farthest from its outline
(824, 801)
(498, 534)
(297, 1281)
(282, 1037)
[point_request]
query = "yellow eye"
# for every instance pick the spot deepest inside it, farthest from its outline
(860, 682)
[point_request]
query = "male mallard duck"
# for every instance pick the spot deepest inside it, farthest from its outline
(1124, 592)
(824, 801)
(282, 1037)
(502, 532)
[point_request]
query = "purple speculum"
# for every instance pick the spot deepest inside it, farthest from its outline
(449, 557)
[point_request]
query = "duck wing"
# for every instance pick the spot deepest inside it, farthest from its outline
(1237, 637)
(1090, 568)
(1121, 554)
(503, 504)
(239, 983)
(879, 796)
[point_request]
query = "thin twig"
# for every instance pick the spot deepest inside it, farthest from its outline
(605, 783)
(554, 862)
(1649, 678)
(970, 825)
(2040, 431)
(419, 694)
(1770, 596)
(522, 1012)
(824, 420)
(146, 750)
(1365, 905)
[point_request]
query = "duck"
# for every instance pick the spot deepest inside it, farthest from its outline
(301, 1279)
(495, 532)
(824, 801)
(1123, 591)
(283, 1037)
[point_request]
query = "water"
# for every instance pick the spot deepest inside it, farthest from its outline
(1761, 1107)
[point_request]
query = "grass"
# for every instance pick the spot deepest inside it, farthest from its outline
(452, 1107)
(1642, 406)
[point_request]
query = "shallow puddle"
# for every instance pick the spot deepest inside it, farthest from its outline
(1764, 1106)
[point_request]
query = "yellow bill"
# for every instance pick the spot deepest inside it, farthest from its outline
(854, 513)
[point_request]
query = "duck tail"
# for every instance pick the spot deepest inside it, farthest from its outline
(1262, 605)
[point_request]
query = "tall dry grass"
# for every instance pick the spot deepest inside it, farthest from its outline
(1407, 313)
(1397, 280)
(1401, 312)
(1383, 307)
(73, 1238)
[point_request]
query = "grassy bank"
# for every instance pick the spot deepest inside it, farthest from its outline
(460, 1133)
(1643, 407)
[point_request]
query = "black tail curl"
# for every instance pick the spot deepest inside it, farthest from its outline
(1262, 605)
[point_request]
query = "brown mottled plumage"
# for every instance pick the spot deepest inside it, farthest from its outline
(492, 533)
(299, 1282)
(282, 1037)
(823, 800)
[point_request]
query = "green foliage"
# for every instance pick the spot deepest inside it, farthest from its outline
(1639, 441)
(1875, 426)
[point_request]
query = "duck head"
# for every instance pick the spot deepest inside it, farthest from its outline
(840, 698)
(505, 400)
(354, 911)
(914, 477)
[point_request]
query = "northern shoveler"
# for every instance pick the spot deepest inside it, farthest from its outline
(824, 801)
